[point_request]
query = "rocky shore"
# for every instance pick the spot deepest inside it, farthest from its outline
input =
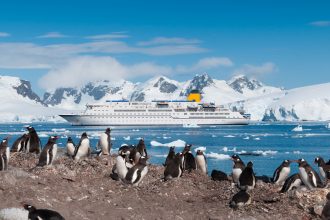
(84, 190)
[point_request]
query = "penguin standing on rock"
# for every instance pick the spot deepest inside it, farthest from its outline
(247, 179)
(49, 152)
(238, 167)
(105, 142)
(323, 167)
(308, 176)
(33, 144)
(189, 162)
(20, 143)
(290, 183)
(83, 149)
(240, 199)
(36, 214)
(170, 156)
(282, 172)
(173, 168)
(120, 169)
(4, 154)
(136, 174)
(201, 162)
(70, 147)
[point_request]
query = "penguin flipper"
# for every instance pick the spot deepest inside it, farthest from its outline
(138, 172)
(276, 175)
(50, 151)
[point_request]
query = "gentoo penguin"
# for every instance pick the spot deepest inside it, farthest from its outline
(20, 143)
(247, 178)
(201, 161)
(218, 175)
(35, 214)
(240, 199)
(290, 183)
(105, 142)
(4, 154)
(49, 152)
(83, 149)
(137, 172)
(308, 175)
(282, 172)
(141, 151)
(326, 209)
(189, 162)
(33, 144)
(238, 167)
(324, 169)
(70, 147)
(170, 156)
(174, 167)
(120, 169)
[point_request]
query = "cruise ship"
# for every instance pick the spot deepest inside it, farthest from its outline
(190, 112)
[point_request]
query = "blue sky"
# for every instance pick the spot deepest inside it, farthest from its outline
(62, 43)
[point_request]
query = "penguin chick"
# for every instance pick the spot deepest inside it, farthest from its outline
(83, 149)
(105, 142)
(323, 167)
(247, 179)
(238, 167)
(189, 162)
(174, 168)
(240, 199)
(290, 183)
(36, 214)
(70, 147)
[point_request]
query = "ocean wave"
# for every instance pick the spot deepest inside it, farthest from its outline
(217, 156)
(177, 143)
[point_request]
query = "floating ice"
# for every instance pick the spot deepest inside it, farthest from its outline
(135, 130)
(265, 153)
(226, 149)
(229, 136)
(257, 139)
(297, 152)
(246, 138)
(127, 138)
(200, 148)
(214, 136)
(190, 126)
(298, 128)
(177, 143)
(160, 155)
(217, 156)
(43, 135)
(165, 137)
(57, 130)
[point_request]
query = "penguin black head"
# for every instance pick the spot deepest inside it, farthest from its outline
(69, 139)
(108, 130)
(172, 149)
(28, 207)
(235, 158)
(84, 135)
(186, 148)
(52, 139)
(199, 152)
(143, 160)
(319, 161)
(286, 163)
(301, 161)
(141, 141)
(30, 128)
(249, 164)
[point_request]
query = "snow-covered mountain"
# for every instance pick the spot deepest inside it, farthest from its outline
(20, 103)
(239, 93)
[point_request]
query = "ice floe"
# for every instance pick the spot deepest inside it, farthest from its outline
(217, 156)
(177, 143)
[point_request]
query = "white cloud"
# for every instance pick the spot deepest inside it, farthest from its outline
(320, 23)
(168, 40)
(4, 34)
(52, 35)
(205, 64)
(256, 71)
(115, 35)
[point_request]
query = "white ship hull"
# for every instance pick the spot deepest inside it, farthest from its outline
(96, 120)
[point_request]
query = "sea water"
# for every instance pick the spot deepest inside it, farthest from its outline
(268, 144)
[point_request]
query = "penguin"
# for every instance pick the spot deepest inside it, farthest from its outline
(323, 168)
(48, 153)
(20, 143)
(136, 174)
(140, 151)
(240, 199)
(4, 154)
(326, 209)
(247, 179)
(218, 175)
(174, 167)
(290, 183)
(238, 167)
(308, 175)
(33, 144)
(189, 162)
(83, 149)
(105, 142)
(120, 169)
(36, 214)
(201, 162)
(70, 147)
(170, 156)
(282, 172)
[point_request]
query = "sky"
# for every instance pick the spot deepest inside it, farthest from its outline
(68, 43)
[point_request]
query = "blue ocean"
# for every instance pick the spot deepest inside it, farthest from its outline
(267, 145)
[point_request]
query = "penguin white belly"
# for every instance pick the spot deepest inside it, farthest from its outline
(121, 167)
(314, 182)
(104, 144)
(284, 173)
(322, 172)
(54, 152)
(304, 177)
(296, 184)
(19, 146)
(137, 157)
(27, 150)
(70, 149)
(83, 149)
(7, 154)
(236, 174)
(201, 163)
(143, 174)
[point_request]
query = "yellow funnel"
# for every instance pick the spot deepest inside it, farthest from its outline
(194, 96)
